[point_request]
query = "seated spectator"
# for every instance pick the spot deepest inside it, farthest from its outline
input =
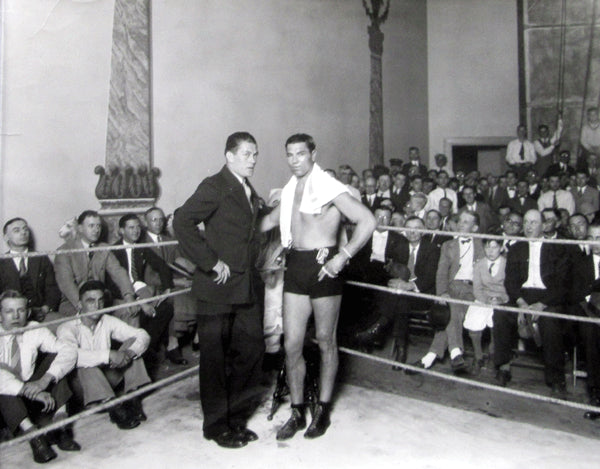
(370, 197)
(400, 190)
(32, 276)
(556, 197)
(442, 191)
(414, 161)
(522, 202)
(73, 269)
(563, 167)
(591, 166)
(483, 211)
(454, 279)
(158, 314)
(395, 165)
(503, 212)
(584, 193)
(445, 207)
(384, 183)
(536, 279)
(102, 370)
(520, 153)
(398, 219)
(552, 227)
(482, 193)
(416, 184)
(534, 187)
(418, 201)
(387, 203)
(488, 289)
(433, 221)
(355, 182)
(511, 226)
(587, 210)
(454, 184)
(33, 392)
(428, 185)
(184, 306)
(590, 133)
(367, 173)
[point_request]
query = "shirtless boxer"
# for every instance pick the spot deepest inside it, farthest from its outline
(309, 215)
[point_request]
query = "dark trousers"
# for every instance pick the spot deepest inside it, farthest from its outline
(231, 351)
(14, 409)
(158, 326)
(590, 336)
(552, 332)
(397, 308)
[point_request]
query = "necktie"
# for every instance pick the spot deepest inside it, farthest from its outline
(445, 196)
(491, 268)
(163, 250)
(522, 152)
(248, 192)
(554, 201)
(90, 253)
(133, 268)
(22, 267)
(15, 357)
(411, 261)
(580, 191)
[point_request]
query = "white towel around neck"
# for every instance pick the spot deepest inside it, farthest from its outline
(320, 189)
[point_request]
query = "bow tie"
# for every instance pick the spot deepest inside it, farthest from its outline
(465, 241)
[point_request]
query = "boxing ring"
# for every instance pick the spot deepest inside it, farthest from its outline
(369, 426)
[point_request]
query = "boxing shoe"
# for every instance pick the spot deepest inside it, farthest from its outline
(320, 421)
(297, 421)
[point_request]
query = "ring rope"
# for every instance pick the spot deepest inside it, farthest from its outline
(100, 407)
(109, 309)
(457, 379)
(102, 247)
(510, 309)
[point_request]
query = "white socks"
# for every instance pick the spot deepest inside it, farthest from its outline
(455, 352)
(428, 359)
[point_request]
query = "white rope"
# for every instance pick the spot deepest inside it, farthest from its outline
(99, 408)
(19, 330)
(510, 309)
(470, 382)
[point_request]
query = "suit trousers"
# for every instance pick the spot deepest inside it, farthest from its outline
(231, 352)
(590, 336)
(14, 409)
(452, 337)
(96, 384)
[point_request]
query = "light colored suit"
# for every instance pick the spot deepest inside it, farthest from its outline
(73, 269)
(589, 196)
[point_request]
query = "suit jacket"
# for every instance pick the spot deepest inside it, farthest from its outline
(166, 253)
(582, 279)
(437, 239)
(399, 200)
(486, 217)
(376, 201)
(40, 272)
(406, 168)
(142, 259)
(425, 264)
(449, 263)
(590, 195)
(554, 169)
(528, 204)
(362, 269)
(499, 198)
(554, 270)
(73, 269)
(230, 236)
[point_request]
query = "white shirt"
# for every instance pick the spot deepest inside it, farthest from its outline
(513, 149)
(465, 269)
(137, 284)
(534, 277)
(17, 260)
(437, 194)
(30, 342)
(378, 246)
(385, 194)
(564, 199)
(93, 346)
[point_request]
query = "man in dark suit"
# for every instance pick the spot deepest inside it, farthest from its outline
(229, 319)
(370, 197)
(486, 217)
(75, 268)
(522, 201)
(414, 160)
(157, 315)
(400, 191)
(584, 194)
(562, 168)
(31, 276)
(433, 221)
(536, 279)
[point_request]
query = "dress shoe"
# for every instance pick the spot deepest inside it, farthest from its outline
(245, 433)
(195, 346)
(175, 357)
(373, 335)
(63, 438)
(297, 421)
(228, 439)
(477, 366)
(590, 415)
(458, 364)
(559, 390)
(503, 377)
(135, 408)
(417, 364)
(320, 421)
(42, 452)
(122, 418)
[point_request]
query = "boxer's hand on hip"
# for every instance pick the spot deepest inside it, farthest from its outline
(222, 271)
